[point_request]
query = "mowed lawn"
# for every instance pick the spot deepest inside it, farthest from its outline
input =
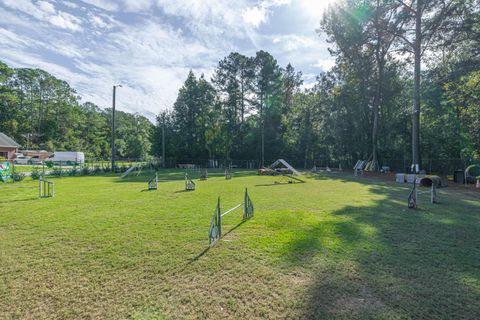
(334, 247)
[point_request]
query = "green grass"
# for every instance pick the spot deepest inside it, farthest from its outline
(91, 164)
(26, 168)
(334, 247)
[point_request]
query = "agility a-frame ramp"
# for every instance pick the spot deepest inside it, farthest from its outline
(128, 171)
(280, 163)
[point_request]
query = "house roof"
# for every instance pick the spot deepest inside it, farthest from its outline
(6, 141)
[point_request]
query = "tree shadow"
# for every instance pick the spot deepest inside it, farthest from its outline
(277, 184)
(30, 198)
(183, 191)
(387, 261)
(174, 175)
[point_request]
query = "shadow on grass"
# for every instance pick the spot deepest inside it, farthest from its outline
(173, 175)
(201, 254)
(278, 184)
(388, 261)
(31, 198)
(197, 257)
(183, 191)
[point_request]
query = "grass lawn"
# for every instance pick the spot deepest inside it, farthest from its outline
(334, 247)
(29, 168)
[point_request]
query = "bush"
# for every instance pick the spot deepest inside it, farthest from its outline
(57, 172)
(73, 172)
(18, 176)
(36, 174)
(85, 171)
(97, 170)
(49, 164)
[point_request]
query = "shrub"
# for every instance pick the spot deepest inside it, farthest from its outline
(36, 174)
(97, 170)
(57, 172)
(73, 172)
(49, 164)
(18, 176)
(85, 171)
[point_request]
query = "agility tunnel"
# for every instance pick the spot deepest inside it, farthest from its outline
(428, 181)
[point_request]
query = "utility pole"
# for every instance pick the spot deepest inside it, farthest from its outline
(263, 132)
(113, 126)
(163, 141)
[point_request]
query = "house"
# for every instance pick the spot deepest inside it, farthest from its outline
(8, 147)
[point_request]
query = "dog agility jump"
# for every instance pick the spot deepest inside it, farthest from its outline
(215, 232)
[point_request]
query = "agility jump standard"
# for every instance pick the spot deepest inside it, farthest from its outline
(215, 232)
(153, 183)
(46, 189)
(189, 184)
(431, 183)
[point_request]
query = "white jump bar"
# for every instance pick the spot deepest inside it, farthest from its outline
(236, 207)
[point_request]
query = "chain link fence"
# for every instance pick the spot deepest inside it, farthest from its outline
(437, 166)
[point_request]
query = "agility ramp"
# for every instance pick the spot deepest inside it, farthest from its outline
(282, 164)
(129, 170)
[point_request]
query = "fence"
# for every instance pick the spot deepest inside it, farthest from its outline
(439, 166)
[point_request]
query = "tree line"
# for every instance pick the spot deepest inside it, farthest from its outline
(40, 111)
(405, 86)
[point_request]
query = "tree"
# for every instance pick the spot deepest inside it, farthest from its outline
(268, 82)
(420, 22)
(232, 80)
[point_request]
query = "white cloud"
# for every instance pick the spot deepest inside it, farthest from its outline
(254, 16)
(138, 5)
(70, 4)
(45, 12)
(148, 46)
(98, 22)
(325, 64)
(108, 5)
(291, 42)
(25, 6)
(46, 6)
(65, 21)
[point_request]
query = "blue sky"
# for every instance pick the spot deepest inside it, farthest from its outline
(150, 45)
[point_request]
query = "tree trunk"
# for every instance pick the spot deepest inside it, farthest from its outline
(417, 47)
(376, 108)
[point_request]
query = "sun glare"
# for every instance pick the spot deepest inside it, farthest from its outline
(315, 8)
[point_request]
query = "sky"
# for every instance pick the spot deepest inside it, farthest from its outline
(149, 46)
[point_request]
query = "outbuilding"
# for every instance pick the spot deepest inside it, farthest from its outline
(8, 147)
